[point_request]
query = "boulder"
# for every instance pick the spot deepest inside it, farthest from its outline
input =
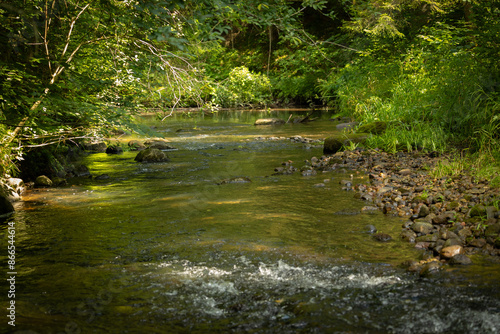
(58, 181)
(136, 145)
(335, 143)
(12, 188)
(81, 171)
(269, 121)
(5, 205)
(376, 128)
(114, 149)
(158, 144)
(151, 155)
(43, 181)
(95, 147)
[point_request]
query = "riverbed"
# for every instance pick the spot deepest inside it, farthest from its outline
(171, 248)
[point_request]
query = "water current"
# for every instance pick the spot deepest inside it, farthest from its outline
(167, 248)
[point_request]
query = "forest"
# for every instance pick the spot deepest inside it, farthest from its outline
(75, 70)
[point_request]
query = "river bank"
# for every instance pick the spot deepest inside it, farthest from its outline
(449, 218)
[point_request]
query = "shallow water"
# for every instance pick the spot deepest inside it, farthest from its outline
(166, 248)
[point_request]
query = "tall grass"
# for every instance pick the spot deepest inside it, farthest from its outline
(434, 99)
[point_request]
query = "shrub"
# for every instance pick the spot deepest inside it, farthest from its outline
(243, 88)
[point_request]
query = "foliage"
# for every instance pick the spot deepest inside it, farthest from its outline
(243, 88)
(78, 69)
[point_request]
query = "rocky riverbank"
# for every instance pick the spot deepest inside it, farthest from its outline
(448, 218)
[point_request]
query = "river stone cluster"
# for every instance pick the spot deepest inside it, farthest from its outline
(448, 218)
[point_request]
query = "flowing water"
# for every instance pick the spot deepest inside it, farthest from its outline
(168, 248)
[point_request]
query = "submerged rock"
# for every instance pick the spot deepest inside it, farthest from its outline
(239, 179)
(151, 155)
(460, 259)
(382, 237)
(269, 121)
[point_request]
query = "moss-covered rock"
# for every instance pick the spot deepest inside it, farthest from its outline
(114, 149)
(335, 143)
(151, 155)
(95, 147)
(43, 181)
(477, 211)
(376, 128)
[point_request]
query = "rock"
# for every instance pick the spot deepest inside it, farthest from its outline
(5, 205)
(422, 245)
(408, 235)
(158, 144)
(428, 238)
(238, 179)
(12, 189)
(43, 181)
(346, 126)
(423, 211)
(269, 121)
(114, 149)
(95, 147)
(451, 251)
(136, 145)
(478, 243)
(382, 237)
(102, 177)
(58, 181)
(16, 184)
(453, 242)
(369, 209)
(151, 155)
(405, 171)
(370, 229)
(376, 128)
(81, 171)
(423, 227)
(335, 143)
(460, 259)
(444, 218)
(491, 212)
(430, 268)
(477, 211)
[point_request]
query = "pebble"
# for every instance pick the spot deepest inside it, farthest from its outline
(456, 210)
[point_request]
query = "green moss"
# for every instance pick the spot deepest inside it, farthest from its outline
(338, 142)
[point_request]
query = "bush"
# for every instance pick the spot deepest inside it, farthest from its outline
(243, 88)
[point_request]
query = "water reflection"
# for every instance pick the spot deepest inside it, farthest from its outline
(167, 248)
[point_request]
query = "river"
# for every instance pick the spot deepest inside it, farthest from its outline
(168, 248)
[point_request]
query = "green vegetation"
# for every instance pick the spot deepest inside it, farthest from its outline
(428, 69)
